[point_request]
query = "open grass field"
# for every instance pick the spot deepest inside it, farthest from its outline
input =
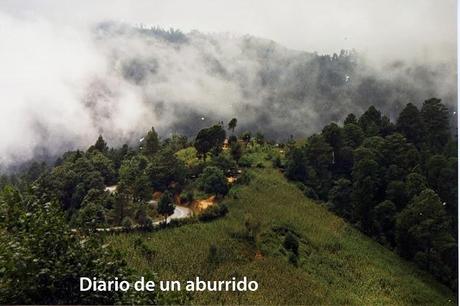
(336, 264)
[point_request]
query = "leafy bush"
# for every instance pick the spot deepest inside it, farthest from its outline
(291, 243)
(213, 181)
(244, 179)
(245, 161)
(127, 222)
(41, 261)
(213, 212)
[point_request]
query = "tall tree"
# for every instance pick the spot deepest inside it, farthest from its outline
(166, 205)
(213, 180)
(209, 140)
(232, 125)
(340, 197)
(366, 185)
(151, 143)
(423, 234)
(350, 119)
(410, 124)
(165, 169)
(371, 121)
(436, 120)
(353, 135)
(101, 145)
(134, 180)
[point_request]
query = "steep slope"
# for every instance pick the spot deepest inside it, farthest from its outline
(336, 263)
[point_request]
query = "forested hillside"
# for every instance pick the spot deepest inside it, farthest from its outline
(397, 182)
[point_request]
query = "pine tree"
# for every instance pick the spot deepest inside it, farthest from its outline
(151, 143)
(166, 205)
(410, 124)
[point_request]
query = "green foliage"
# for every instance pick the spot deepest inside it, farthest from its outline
(209, 140)
(134, 180)
(166, 205)
(383, 216)
(42, 259)
(127, 222)
(259, 138)
(340, 197)
(332, 134)
(224, 162)
(252, 226)
(410, 124)
(350, 119)
(414, 184)
(296, 164)
(353, 135)
(245, 161)
(104, 166)
(232, 124)
(436, 121)
(337, 264)
(245, 178)
(69, 182)
(101, 145)
(213, 181)
(379, 168)
(176, 142)
(236, 150)
(246, 136)
(213, 212)
(166, 169)
(91, 215)
(423, 234)
(291, 243)
(151, 143)
(371, 121)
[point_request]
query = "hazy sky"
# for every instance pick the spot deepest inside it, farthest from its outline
(395, 28)
(60, 88)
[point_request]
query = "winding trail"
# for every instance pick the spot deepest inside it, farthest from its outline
(180, 212)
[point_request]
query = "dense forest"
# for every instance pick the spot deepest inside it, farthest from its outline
(396, 182)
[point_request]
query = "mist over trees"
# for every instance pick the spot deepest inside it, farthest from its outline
(183, 82)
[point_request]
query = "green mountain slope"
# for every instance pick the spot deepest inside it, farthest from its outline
(336, 263)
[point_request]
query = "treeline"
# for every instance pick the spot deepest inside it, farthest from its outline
(397, 182)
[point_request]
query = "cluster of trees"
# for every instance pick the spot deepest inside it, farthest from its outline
(42, 253)
(397, 182)
(42, 258)
(79, 179)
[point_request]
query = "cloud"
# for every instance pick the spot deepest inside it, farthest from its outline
(66, 81)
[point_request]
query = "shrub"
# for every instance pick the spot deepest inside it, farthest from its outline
(213, 180)
(186, 196)
(260, 165)
(244, 179)
(291, 243)
(245, 161)
(213, 212)
(127, 222)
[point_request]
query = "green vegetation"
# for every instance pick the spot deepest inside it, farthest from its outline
(397, 183)
(336, 264)
(259, 210)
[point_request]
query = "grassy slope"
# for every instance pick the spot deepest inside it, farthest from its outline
(338, 265)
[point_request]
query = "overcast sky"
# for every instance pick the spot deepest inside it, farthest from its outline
(425, 28)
